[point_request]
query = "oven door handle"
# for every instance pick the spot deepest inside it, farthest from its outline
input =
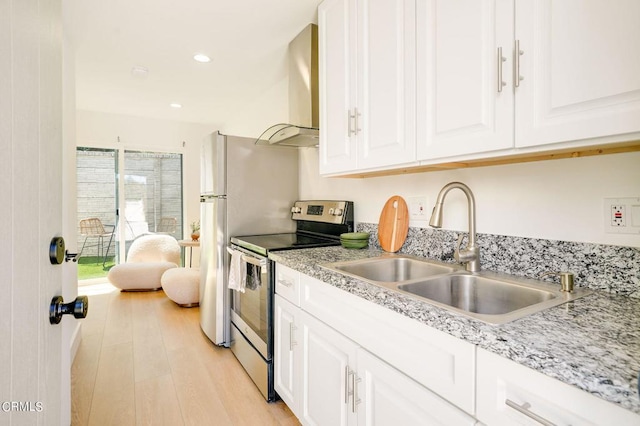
(252, 260)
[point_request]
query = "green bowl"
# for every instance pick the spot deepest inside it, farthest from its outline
(354, 244)
(358, 236)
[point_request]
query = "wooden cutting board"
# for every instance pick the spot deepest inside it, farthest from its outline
(394, 224)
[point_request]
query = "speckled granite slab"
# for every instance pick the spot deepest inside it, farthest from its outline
(615, 269)
(592, 343)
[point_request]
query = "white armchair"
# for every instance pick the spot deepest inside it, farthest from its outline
(149, 257)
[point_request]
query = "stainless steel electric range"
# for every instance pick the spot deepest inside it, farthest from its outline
(318, 224)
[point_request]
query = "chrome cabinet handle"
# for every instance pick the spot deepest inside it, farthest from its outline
(501, 60)
(355, 400)
(356, 115)
(350, 130)
(292, 342)
(517, 77)
(285, 283)
(524, 409)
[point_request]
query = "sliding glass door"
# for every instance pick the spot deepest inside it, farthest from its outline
(123, 195)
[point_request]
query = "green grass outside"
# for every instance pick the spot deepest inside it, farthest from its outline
(91, 267)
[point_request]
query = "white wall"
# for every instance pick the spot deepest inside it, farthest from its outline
(555, 199)
(265, 110)
(102, 130)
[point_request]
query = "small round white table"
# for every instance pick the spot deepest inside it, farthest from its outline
(190, 244)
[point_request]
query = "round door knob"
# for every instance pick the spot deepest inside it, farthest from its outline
(78, 308)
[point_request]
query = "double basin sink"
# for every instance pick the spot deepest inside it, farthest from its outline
(489, 297)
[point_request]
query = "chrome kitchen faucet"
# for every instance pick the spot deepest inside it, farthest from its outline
(470, 255)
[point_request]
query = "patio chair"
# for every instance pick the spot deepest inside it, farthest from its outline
(167, 225)
(93, 228)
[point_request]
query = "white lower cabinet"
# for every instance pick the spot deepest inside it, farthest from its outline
(439, 362)
(511, 394)
(327, 378)
(386, 369)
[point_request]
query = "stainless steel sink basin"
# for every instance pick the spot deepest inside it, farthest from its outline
(489, 297)
(390, 269)
(478, 295)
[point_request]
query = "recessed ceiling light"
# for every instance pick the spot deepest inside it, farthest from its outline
(175, 105)
(138, 71)
(201, 58)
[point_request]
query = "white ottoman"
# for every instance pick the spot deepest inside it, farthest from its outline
(139, 276)
(182, 285)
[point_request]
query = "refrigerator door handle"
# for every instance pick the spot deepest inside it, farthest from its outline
(252, 260)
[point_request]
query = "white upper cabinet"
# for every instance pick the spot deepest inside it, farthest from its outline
(408, 82)
(464, 84)
(580, 69)
(337, 52)
(367, 84)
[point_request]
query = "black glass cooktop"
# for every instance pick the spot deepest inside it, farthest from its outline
(270, 242)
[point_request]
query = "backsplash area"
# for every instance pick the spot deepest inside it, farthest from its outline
(614, 269)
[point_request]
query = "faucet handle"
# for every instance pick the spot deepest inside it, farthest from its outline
(566, 280)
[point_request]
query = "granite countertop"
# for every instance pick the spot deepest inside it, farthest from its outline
(592, 343)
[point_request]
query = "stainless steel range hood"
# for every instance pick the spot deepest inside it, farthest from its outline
(304, 117)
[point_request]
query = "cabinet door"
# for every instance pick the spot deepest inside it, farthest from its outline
(326, 359)
(336, 74)
(386, 82)
(462, 106)
(286, 357)
(436, 360)
(388, 397)
(580, 68)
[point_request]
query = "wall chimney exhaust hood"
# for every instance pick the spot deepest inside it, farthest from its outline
(304, 118)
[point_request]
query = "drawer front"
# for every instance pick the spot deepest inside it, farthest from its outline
(436, 360)
(511, 394)
(288, 284)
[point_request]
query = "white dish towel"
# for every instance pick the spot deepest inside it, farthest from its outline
(237, 272)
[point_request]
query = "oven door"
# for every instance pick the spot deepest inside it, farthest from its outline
(251, 311)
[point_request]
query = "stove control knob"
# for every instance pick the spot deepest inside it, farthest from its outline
(295, 209)
(337, 212)
(331, 211)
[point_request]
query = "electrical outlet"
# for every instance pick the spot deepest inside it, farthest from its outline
(618, 215)
(622, 215)
(418, 208)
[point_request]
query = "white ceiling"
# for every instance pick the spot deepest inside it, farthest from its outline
(246, 39)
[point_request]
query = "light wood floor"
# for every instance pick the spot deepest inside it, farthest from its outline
(144, 361)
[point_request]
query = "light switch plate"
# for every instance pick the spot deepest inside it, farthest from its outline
(622, 215)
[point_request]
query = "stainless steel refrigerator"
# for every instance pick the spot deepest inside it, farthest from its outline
(245, 189)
